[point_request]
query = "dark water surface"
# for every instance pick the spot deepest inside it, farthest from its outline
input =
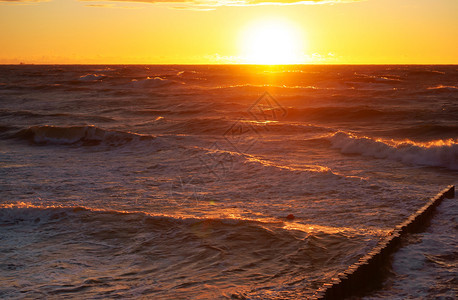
(173, 182)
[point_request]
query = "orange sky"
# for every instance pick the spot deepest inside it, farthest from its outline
(215, 31)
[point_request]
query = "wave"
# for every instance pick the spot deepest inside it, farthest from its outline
(439, 153)
(30, 214)
(27, 113)
(36, 114)
(188, 73)
(425, 73)
(239, 127)
(312, 87)
(87, 135)
(443, 88)
(438, 89)
(425, 131)
(92, 77)
(268, 166)
(288, 128)
(216, 252)
(244, 165)
(31, 86)
(6, 130)
(364, 78)
(255, 87)
(343, 113)
(152, 82)
(200, 126)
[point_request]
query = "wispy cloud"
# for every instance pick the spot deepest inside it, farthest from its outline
(211, 4)
(109, 5)
(100, 5)
(21, 1)
(196, 4)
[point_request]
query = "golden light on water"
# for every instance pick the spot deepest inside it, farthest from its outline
(272, 42)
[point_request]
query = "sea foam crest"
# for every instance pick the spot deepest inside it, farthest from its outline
(440, 153)
(92, 77)
(151, 82)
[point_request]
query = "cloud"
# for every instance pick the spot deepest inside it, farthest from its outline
(197, 4)
(21, 1)
(211, 4)
(109, 5)
(99, 5)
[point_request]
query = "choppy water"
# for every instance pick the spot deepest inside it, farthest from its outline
(175, 181)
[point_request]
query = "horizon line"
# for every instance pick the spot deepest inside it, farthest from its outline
(227, 64)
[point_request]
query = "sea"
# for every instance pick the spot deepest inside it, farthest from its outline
(223, 181)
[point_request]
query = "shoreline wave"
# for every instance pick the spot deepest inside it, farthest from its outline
(439, 153)
(27, 213)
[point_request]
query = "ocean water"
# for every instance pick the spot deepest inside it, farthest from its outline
(219, 182)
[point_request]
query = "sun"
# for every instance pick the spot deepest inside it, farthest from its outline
(272, 42)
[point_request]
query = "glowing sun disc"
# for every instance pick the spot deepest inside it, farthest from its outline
(271, 43)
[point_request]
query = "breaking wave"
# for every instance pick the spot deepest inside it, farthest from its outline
(439, 153)
(152, 82)
(92, 77)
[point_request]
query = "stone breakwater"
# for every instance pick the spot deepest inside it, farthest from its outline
(369, 269)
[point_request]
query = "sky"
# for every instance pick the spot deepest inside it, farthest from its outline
(229, 31)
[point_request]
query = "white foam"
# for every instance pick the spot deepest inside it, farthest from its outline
(150, 82)
(440, 153)
(92, 77)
